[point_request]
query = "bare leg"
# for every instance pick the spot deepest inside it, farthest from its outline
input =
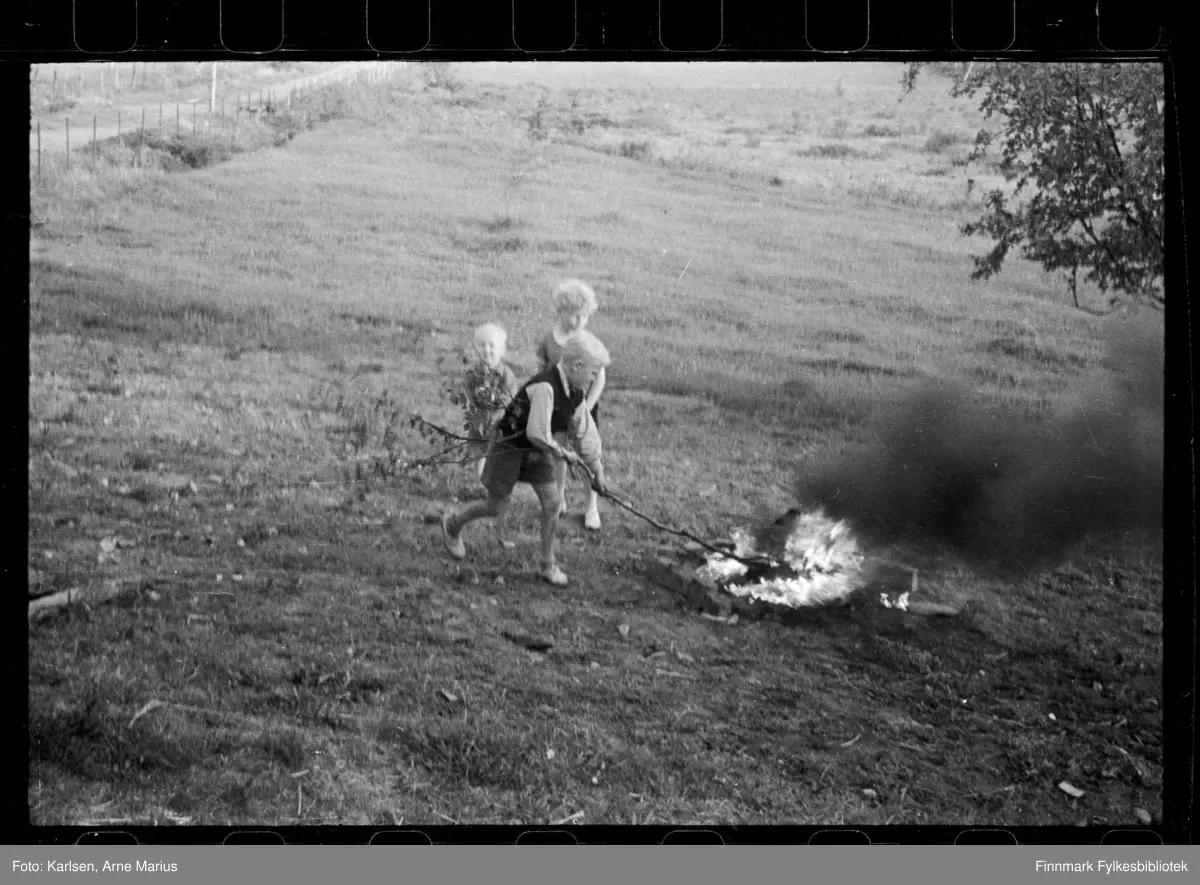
(501, 535)
(493, 507)
(591, 516)
(453, 524)
(560, 478)
(550, 497)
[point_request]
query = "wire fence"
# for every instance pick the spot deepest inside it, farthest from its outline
(122, 136)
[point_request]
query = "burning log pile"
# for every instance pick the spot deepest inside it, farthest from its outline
(810, 561)
(820, 562)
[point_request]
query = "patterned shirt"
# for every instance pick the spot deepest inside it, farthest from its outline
(489, 391)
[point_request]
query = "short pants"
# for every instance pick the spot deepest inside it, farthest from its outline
(503, 469)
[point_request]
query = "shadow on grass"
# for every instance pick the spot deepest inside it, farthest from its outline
(90, 742)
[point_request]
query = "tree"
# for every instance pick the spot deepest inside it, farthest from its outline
(1081, 146)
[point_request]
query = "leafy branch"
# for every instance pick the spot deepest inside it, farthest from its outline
(1081, 148)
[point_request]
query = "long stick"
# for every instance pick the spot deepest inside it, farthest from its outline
(759, 560)
(753, 560)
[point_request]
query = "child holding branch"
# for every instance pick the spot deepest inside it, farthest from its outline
(547, 415)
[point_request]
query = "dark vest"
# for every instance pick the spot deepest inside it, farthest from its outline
(516, 416)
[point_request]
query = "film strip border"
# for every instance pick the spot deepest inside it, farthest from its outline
(78, 29)
(590, 835)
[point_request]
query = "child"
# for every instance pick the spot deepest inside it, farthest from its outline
(574, 304)
(531, 437)
(490, 386)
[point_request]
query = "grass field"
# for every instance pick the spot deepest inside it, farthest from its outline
(776, 254)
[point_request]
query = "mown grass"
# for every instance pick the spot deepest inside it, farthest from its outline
(320, 660)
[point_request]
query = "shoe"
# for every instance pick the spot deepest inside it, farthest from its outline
(556, 576)
(507, 544)
(591, 520)
(454, 544)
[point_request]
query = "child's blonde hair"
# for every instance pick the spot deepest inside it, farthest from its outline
(583, 346)
(575, 295)
(491, 332)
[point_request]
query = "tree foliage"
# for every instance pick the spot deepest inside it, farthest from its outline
(1081, 148)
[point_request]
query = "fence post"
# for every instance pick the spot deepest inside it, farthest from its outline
(39, 142)
(177, 118)
(142, 134)
(95, 155)
(193, 118)
(160, 129)
(68, 119)
(118, 126)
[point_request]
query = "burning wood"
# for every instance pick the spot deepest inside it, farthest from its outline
(821, 563)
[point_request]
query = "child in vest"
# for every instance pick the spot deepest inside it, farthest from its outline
(490, 386)
(547, 414)
(574, 305)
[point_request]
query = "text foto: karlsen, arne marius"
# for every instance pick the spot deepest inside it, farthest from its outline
(108, 866)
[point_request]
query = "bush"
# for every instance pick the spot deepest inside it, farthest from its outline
(836, 150)
(286, 125)
(939, 140)
(59, 105)
(343, 101)
(193, 150)
(636, 150)
(441, 75)
(876, 131)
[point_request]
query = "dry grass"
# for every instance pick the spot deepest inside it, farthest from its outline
(190, 320)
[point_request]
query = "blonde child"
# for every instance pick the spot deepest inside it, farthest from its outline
(574, 305)
(490, 386)
(547, 414)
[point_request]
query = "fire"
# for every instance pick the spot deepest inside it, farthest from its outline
(821, 554)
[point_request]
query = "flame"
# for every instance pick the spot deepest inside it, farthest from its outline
(721, 568)
(822, 552)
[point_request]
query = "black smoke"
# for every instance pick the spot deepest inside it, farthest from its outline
(942, 471)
